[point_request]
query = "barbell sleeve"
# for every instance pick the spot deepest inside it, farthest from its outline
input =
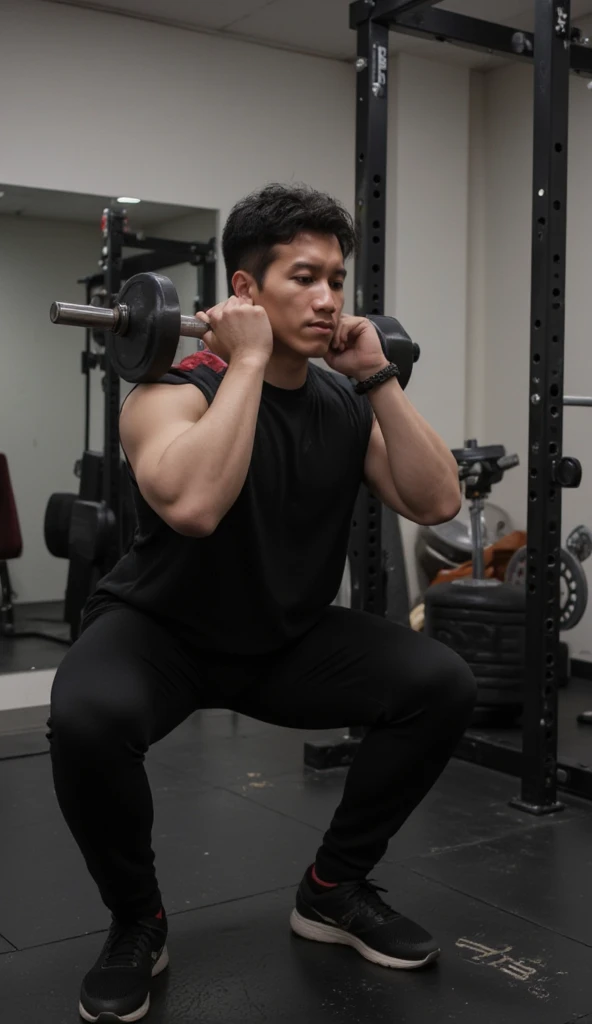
(81, 316)
(115, 319)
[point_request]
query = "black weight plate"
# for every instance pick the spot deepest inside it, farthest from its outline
(482, 597)
(56, 527)
(396, 345)
(573, 595)
(146, 349)
(492, 451)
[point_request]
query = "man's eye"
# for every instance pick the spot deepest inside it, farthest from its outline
(337, 285)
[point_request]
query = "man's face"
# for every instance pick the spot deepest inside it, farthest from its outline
(303, 292)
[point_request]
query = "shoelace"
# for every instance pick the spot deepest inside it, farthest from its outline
(369, 892)
(127, 945)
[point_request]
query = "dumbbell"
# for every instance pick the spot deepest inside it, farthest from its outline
(144, 327)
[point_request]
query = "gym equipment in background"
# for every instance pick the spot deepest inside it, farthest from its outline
(11, 547)
(573, 582)
(483, 619)
(446, 546)
(80, 527)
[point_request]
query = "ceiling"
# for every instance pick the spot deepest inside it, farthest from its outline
(85, 209)
(318, 27)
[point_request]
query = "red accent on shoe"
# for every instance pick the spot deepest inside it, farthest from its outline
(315, 878)
(159, 915)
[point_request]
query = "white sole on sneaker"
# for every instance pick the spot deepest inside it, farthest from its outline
(129, 1018)
(318, 932)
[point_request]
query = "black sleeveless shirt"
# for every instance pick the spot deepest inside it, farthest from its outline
(276, 559)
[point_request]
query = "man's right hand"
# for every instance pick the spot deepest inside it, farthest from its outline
(241, 331)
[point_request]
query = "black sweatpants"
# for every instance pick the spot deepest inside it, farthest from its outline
(127, 682)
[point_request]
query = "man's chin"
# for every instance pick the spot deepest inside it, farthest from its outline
(308, 347)
(317, 345)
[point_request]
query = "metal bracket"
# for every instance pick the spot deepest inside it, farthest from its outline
(562, 21)
(360, 11)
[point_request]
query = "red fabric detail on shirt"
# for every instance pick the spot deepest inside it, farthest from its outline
(202, 359)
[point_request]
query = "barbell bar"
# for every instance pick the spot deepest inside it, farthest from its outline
(143, 329)
(69, 314)
(576, 400)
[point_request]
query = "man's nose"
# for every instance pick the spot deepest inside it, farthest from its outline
(325, 300)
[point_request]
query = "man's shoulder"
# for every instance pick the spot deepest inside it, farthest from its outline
(202, 369)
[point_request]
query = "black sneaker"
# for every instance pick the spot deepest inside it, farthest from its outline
(117, 988)
(353, 914)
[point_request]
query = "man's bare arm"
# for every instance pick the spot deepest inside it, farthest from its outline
(190, 460)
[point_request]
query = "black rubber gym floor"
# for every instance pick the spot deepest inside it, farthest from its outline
(237, 822)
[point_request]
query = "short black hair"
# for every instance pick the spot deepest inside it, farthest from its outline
(274, 215)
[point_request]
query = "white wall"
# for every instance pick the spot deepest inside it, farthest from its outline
(476, 260)
(200, 121)
(577, 437)
(503, 388)
(427, 251)
(189, 119)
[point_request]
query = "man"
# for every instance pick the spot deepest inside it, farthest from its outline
(245, 463)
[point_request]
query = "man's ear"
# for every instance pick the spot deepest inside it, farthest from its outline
(244, 285)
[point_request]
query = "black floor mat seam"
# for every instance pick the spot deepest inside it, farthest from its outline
(170, 914)
(494, 906)
(502, 835)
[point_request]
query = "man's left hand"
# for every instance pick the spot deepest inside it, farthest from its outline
(355, 349)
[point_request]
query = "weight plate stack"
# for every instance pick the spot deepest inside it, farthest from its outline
(486, 624)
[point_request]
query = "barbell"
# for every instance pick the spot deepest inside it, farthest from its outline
(143, 330)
